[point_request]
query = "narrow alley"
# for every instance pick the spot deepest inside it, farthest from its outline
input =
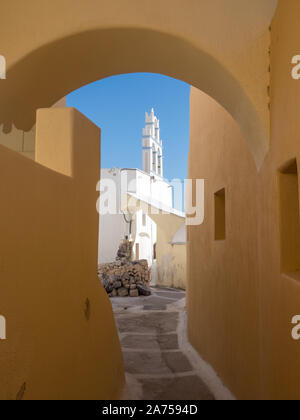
(159, 362)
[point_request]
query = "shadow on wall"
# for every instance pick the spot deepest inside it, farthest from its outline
(61, 337)
(121, 50)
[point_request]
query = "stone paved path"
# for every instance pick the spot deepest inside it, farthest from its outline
(157, 365)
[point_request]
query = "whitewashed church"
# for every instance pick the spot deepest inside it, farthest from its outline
(121, 190)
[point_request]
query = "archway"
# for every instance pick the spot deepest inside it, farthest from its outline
(54, 70)
(47, 69)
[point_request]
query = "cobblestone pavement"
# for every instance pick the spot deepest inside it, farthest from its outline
(159, 363)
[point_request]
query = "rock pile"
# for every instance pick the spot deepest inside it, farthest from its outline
(125, 251)
(126, 278)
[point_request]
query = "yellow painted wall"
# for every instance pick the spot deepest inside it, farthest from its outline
(171, 259)
(178, 266)
(223, 290)
(56, 46)
(239, 300)
(280, 294)
(57, 344)
(21, 141)
(240, 304)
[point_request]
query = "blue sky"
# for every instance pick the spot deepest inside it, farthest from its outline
(118, 105)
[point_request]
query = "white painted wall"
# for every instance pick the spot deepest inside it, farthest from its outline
(112, 229)
(149, 187)
(115, 185)
(146, 236)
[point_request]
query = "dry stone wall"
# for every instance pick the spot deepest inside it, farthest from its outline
(126, 278)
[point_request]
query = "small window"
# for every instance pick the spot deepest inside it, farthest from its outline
(220, 215)
(289, 217)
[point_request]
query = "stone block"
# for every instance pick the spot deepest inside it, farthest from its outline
(122, 292)
(134, 293)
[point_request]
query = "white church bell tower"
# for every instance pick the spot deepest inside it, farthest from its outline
(152, 146)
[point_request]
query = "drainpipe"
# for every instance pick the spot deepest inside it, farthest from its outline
(129, 222)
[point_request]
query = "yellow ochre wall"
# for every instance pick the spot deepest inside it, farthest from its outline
(239, 304)
(21, 141)
(171, 259)
(238, 299)
(280, 294)
(223, 275)
(56, 46)
(61, 337)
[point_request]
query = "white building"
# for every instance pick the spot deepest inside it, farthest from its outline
(126, 196)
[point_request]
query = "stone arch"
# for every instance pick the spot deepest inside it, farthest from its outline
(58, 68)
